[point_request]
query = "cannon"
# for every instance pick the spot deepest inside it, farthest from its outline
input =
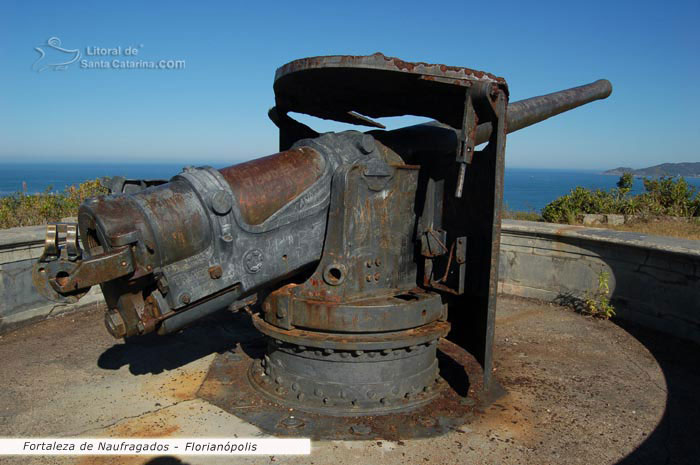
(355, 252)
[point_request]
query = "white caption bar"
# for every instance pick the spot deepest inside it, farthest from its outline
(179, 446)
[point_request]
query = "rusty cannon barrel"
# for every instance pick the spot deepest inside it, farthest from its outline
(435, 137)
(524, 113)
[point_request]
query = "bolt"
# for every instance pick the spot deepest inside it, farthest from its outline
(366, 144)
(295, 387)
(378, 262)
(326, 400)
(221, 202)
(368, 263)
(377, 276)
(368, 278)
(281, 313)
(215, 272)
(382, 400)
(278, 380)
(123, 263)
(149, 268)
(293, 422)
(301, 396)
(426, 388)
(185, 298)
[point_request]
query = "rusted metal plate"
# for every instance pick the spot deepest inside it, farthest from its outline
(227, 386)
(354, 89)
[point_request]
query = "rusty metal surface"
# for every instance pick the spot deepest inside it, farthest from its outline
(264, 185)
(456, 402)
(353, 89)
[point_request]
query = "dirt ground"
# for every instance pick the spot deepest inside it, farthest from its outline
(580, 391)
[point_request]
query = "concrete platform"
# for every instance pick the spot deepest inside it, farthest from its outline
(579, 391)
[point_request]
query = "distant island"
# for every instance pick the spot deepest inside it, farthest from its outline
(687, 170)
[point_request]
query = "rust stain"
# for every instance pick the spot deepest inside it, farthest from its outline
(180, 386)
(158, 424)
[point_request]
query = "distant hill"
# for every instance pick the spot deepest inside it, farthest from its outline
(687, 170)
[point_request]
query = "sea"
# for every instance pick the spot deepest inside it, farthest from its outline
(525, 189)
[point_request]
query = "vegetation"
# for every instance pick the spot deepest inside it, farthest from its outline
(22, 209)
(597, 303)
(665, 196)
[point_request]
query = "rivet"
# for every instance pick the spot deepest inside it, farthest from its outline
(382, 400)
(378, 262)
(354, 402)
(371, 354)
(377, 276)
(327, 351)
(279, 390)
(278, 380)
(318, 392)
(301, 396)
(267, 371)
(386, 351)
(368, 278)
(371, 394)
(368, 263)
(326, 400)
(343, 394)
(295, 387)
(357, 353)
(185, 298)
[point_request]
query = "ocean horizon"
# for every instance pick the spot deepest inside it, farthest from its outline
(525, 189)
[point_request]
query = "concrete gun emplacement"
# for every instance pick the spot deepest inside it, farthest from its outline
(354, 252)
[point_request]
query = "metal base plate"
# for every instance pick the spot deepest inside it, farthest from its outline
(227, 386)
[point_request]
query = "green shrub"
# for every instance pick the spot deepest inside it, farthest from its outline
(665, 196)
(20, 209)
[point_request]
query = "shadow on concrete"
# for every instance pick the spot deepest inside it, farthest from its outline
(154, 354)
(454, 373)
(676, 439)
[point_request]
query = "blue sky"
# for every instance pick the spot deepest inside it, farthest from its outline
(215, 110)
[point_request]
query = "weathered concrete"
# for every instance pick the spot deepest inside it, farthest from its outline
(580, 391)
(654, 281)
